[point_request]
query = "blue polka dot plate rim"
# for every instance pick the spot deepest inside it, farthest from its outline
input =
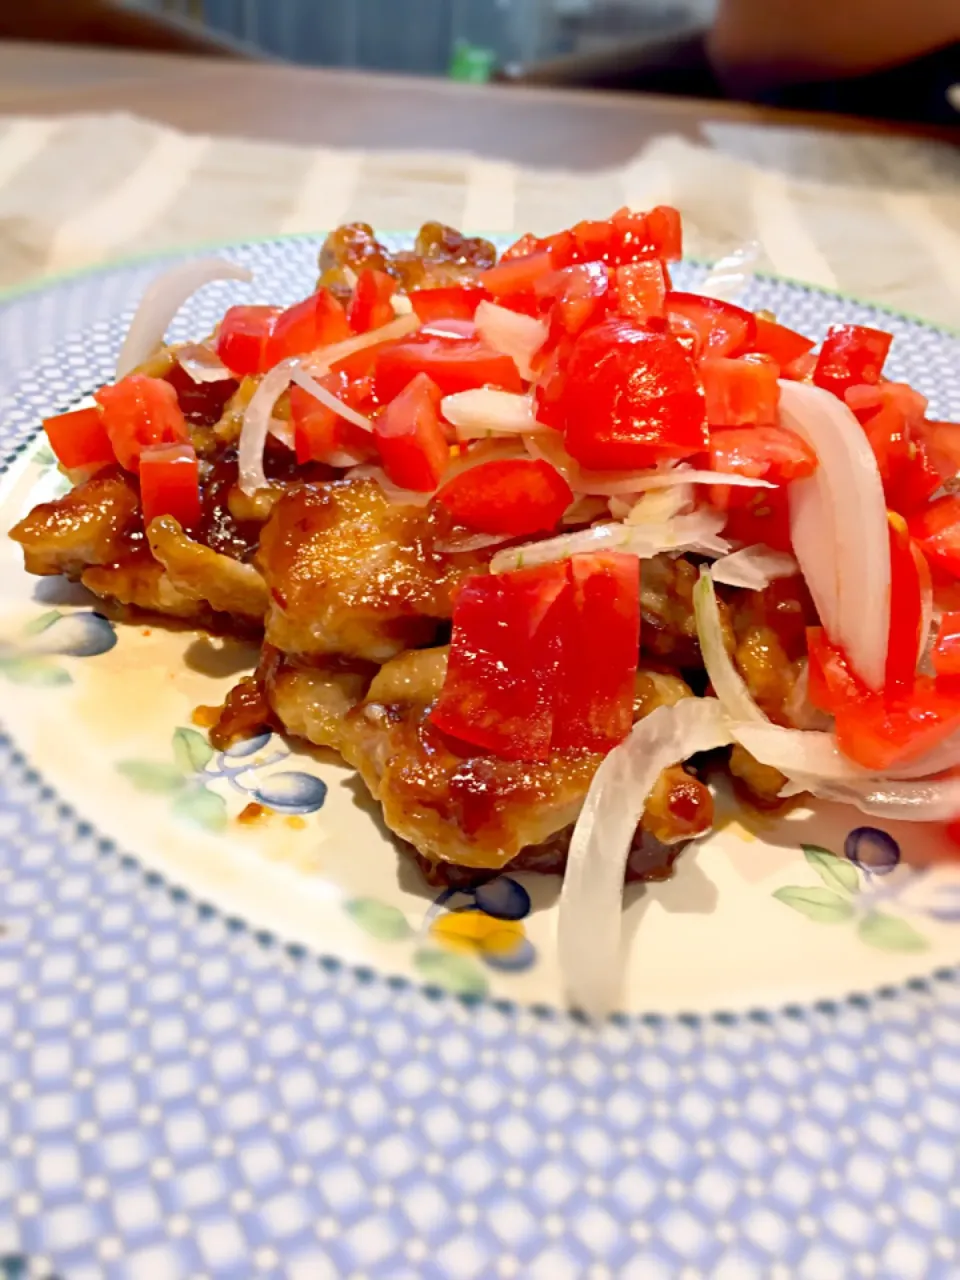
(234, 1049)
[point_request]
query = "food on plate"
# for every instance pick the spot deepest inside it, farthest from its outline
(534, 543)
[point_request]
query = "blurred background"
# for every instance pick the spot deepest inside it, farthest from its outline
(469, 39)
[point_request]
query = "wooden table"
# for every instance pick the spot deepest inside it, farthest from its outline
(282, 103)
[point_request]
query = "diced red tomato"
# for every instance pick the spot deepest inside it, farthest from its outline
(762, 453)
(880, 730)
(783, 344)
(593, 240)
(243, 337)
(914, 482)
(79, 439)
(942, 443)
(756, 515)
(630, 398)
(599, 652)
(321, 435)
(170, 484)
(501, 682)
(723, 328)
(453, 364)
(548, 394)
(576, 295)
(314, 322)
(946, 650)
(370, 305)
(851, 354)
(412, 441)
(522, 248)
(665, 228)
(516, 496)
(739, 392)
(139, 411)
(517, 275)
(450, 302)
(801, 369)
(937, 530)
(637, 236)
(641, 289)
(906, 608)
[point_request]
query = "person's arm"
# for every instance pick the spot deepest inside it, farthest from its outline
(756, 44)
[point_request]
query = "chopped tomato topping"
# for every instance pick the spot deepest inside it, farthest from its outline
(454, 364)
(139, 411)
(763, 453)
(739, 392)
(599, 653)
(501, 681)
(516, 496)
(784, 345)
(880, 730)
(314, 322)
(937, 530)
(370, 305)
(942, 445)
(450, 302)
(521, 248)
(906, 608)
(243, 337)
(641, 289)
(517, 275)
(321, 435)
(79, 439)
(851, 354)
(630, 398)
(576, 296)
(946, 651)
(170, 484)
(412, 442)
(890, 414)
(722, 328)
(755, 515)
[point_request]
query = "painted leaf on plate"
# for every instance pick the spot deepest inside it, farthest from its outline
(41, 623)
(39, 672)
(817, 904)
(191, 750)
(836, 873)
(203, 807)
(152, 775)
(379, 919)
(890, 933)
(452, 971)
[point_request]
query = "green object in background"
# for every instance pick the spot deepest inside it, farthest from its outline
(471, 62)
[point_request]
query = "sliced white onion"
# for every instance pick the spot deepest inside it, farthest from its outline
(591, 899)
(925, 800)
(549, 448)
(485, 412)
(584, 510)
(256, 426)
(318, 362)
(655, 507)
(516, 335)
(697, 532)
(797, 706)
(754, 567)
(680, 475)
(161, 301)
(303, 379)
(839, 528)
(730, 275)
(728, 684)
(202, 363)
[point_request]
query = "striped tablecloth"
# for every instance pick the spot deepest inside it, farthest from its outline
(878, 217)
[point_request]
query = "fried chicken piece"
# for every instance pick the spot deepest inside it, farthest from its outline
(96, 523)
(144, 583)
(352, 574)
(669, 630)
(477, 810)
(440, 256)
(313, 702)
(201, 574)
